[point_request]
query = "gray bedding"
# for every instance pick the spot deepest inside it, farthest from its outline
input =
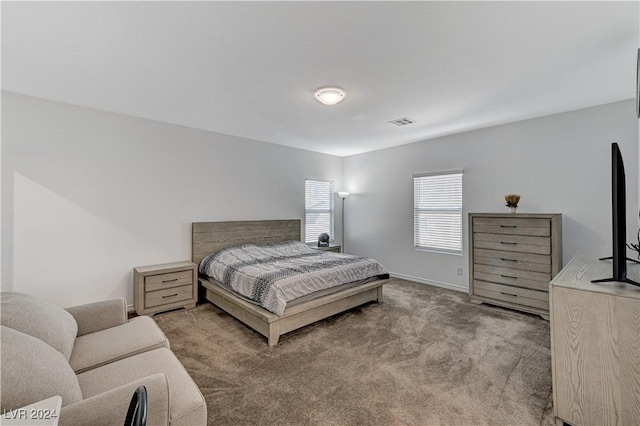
(274, 275)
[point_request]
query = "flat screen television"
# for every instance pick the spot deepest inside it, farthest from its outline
(619, 220)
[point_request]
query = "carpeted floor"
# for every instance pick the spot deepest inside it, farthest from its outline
(425, 356)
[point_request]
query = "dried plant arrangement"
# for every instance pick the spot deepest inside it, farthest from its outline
(512, 200)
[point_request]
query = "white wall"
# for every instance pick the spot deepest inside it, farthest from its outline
(87, 195)
(559, 164)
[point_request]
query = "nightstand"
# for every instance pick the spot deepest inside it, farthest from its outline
(332, 247)
(158, 288)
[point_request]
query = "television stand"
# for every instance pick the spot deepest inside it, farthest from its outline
(620, 280)
(594, 347)
(611, 258)
(610, 280)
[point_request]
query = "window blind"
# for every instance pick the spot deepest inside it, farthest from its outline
(437, 201)
(319, 209)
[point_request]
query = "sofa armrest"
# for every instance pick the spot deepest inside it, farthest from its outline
(110, 408)
(98, 316)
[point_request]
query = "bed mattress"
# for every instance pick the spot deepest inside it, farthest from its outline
(275, 276)
(309, 297)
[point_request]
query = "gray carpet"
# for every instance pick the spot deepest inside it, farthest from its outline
(424, 356)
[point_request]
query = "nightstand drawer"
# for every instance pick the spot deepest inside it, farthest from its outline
(333, 248)
(170, 295)
(162, 281)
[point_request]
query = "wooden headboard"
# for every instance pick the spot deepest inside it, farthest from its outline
(208, 237)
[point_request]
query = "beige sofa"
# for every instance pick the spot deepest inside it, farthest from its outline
(94, 359)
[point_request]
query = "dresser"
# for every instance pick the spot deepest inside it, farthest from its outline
(595, 345)
(163, 287)
(512, 259)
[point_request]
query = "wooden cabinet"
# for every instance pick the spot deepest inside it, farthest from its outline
(332, 247)
(512, 259)
(158, 288)
(595, 345)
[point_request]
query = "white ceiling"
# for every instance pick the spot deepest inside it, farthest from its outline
(250, 68)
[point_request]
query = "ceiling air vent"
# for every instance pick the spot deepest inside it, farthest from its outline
(402, 121)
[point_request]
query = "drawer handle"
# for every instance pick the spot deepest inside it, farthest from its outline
(508, 226)
(169, 281)
(509, 260)
(508, 276)
(171, 295)
(508, 294)
(505, 242)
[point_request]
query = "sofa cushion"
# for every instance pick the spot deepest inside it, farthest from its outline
(140, 334)
(39, 318)
(32, 371)
(186, 403)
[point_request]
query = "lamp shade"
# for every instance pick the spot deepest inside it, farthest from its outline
(343, 194)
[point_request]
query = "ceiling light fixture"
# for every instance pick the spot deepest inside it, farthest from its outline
(329, 95)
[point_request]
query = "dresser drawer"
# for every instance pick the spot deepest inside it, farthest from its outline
(162, 281)
(512, 226)
(511, 279)
(508, 259)
(513, 273)
(516, 243)
(170, 295)
(505, 293)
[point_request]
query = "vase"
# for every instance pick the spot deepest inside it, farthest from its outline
(512, 209)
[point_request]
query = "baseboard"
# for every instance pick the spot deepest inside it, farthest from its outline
(130, 308)
(429, 282)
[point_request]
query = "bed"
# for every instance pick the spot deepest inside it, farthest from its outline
(210, 237)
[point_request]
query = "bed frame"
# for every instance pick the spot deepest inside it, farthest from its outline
(208, 237)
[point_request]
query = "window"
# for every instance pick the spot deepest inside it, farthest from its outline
(437, 218)
(319, 206)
